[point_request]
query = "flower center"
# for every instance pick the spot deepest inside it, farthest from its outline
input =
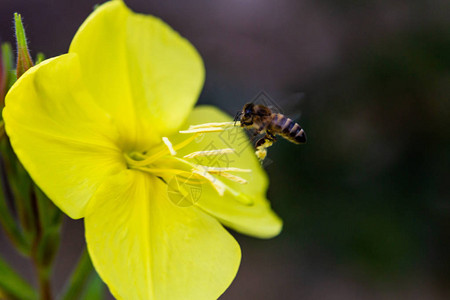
(163, 161)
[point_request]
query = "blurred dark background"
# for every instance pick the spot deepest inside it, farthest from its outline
(366, 201)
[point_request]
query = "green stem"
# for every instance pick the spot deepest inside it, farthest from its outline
(45, 292)
(43, 272)
(2, 127)
(80, 275)
(12, 286)
(44, 285)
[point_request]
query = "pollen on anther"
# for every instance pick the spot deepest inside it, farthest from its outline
(225, 169)
(209, 153)
(233, 177)
(209, 127)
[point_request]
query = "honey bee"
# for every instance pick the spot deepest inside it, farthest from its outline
(264, 121)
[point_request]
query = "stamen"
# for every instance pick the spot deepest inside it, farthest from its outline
(217, 184)
(202, 130)
(169, 145)
(175, 172)
(209, 153)
(233, 177)
(146, 162)
(230, 169)
(215, 124)
(209, 127)
(152, 158)
(186, 142)
(157, 171)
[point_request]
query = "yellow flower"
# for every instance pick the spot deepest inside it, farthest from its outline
(98, 131)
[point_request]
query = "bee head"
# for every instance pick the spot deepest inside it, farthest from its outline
(246, 115)
(248, 110)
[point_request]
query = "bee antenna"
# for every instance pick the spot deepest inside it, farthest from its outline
(236, 117)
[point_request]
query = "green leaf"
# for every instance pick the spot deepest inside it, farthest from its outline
(48, 246)
(7, 220)
(95, 289)
(50, 219)
(21, 186)
(49, 215)
(24, 61)
(77, 281)
(12, 285)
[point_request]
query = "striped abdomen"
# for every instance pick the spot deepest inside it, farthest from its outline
(287, 128)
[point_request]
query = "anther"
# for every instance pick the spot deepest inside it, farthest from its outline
(230, 169)
(233, 177)
(209, 127)
(209, 153)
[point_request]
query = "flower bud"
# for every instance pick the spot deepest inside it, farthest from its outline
(24, 61)
(40, 57)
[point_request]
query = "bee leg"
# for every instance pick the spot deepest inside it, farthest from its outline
(262, 144)
(266, 141)
(256, 133)
(271, 135)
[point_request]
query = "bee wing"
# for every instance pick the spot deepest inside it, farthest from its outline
(290, 105)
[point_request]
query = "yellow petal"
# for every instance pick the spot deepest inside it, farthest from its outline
(255, 219)
(61, 137)
(139, 69)
(145, 247)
